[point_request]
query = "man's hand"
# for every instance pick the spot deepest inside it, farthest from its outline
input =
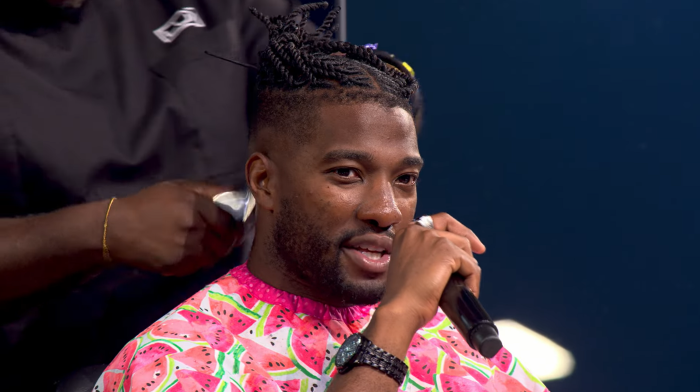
(422, 261)
(173, 228)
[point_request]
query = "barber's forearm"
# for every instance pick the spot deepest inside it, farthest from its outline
(40, 250)
(390, 331)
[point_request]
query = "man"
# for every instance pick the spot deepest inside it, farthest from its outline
(333, 167)
(102, 99)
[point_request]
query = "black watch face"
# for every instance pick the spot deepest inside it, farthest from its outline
(347, 351)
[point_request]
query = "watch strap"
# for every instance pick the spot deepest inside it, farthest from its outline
(376, 357)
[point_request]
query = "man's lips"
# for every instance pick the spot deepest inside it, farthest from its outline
(370, 252)
(371, 245)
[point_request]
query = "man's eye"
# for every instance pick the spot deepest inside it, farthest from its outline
(346, 172)
(407, 179)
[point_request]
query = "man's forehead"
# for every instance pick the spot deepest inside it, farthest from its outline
(364, 124)
(367, 157)
(364, 114)
(366, 132)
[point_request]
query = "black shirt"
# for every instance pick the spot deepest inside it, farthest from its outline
(93, 105)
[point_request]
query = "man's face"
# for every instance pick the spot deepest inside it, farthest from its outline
(341, 197)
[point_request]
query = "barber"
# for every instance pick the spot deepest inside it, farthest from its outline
(116, 130)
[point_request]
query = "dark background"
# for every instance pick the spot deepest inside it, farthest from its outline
(565, 134)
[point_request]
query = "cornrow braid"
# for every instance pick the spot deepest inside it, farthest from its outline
(301, 69)
(295, 58)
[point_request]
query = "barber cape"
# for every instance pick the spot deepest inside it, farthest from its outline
(241, 334)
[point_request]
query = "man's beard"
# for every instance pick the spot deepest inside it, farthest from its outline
(309, 256)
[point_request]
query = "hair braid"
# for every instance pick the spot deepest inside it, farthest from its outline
(296, 58)
(325, 31)
(298, 63)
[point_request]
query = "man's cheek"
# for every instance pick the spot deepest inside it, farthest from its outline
(408, 209)
(336, 203)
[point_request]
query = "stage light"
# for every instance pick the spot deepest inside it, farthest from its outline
(541, 356)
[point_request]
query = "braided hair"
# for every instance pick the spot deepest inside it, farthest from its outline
(300, 69)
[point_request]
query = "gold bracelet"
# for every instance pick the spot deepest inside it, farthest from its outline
(105, 250)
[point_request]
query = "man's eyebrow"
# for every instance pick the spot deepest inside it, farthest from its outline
(350, 155)
(414, 162)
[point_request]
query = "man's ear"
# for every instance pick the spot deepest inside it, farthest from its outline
(259, 172)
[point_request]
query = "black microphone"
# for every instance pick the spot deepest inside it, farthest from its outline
(469, 317)
(466, 313)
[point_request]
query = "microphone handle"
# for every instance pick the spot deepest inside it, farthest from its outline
(469, 317)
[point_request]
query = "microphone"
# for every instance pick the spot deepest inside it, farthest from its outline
(466, 313)
(469, 317)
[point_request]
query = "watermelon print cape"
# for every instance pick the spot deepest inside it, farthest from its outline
(240, 334)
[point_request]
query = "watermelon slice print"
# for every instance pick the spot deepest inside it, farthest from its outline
(250, 365)
(422, 357)
(214, 333)
(191, 380)
(461, 347)
(502, 382)
(451, 364)
(230, 286)
(503, 360)
(339, 331)
(273, 363)
(480, 377)
(445, 383)
(452, 368)
(444, 346)
(456, 344)
(195, 301)
(148, 378)
(289, 385)
(109, 382)
(176, 330)
(358, 325)
(279, 318)
(259, 383)
(149, 353)
(200, 358)
(307, 346)
(234, 321)
(122, 360)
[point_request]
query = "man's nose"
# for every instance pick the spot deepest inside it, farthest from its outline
(380, 208)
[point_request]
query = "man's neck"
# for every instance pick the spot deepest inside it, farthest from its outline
(266, 267)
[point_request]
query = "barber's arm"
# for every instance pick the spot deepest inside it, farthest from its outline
(422, 262)
(172, 228)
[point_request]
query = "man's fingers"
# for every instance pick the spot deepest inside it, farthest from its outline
(462, 242)
(217, 246)
(218, 220)
(445, 222)
(472, 272)
(205, 189)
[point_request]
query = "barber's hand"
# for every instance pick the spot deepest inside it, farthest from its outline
(173, 228)
(422, 261)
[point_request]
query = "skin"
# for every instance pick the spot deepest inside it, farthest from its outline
(354, 179)
(172, 228)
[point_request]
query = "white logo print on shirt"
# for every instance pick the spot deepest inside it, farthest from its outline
(181, 20)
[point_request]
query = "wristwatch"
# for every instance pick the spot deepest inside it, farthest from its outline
(358, 350)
